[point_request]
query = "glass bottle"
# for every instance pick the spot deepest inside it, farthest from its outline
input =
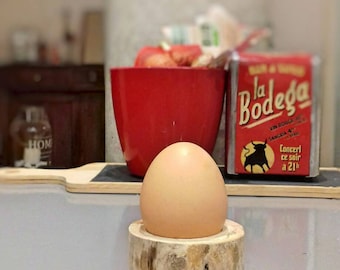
(31, 138)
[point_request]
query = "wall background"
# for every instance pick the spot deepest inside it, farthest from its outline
(304, 25)
(43, 17)
(297, 25)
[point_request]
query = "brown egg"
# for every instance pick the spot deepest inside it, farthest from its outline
(183, 193)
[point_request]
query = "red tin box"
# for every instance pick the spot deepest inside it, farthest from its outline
(272, 124)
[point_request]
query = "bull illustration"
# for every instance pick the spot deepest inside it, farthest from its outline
(258, 157)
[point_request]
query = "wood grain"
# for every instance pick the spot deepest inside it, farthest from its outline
(78, 180)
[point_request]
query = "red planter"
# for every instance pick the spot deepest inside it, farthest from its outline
(155, 107)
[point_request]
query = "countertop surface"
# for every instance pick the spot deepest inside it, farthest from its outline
(44, 227)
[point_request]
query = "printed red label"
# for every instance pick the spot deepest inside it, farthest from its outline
(273, 114)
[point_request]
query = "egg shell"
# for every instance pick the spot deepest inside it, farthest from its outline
(183, 193)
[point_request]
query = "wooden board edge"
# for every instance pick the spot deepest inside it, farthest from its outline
(54, 180)
(105, 187)
(135, 187)
(232, 190)
(283, 191)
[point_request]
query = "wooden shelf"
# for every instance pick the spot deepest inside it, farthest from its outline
(74, 99)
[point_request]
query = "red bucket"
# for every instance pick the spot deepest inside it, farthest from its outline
(155, 107)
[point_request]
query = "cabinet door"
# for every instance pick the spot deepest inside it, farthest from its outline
(62, 116)
(3, 125)
(89, 128)
(73, 98)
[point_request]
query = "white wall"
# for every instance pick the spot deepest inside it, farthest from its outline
(296, 25)
(43, 16)
(334, 73)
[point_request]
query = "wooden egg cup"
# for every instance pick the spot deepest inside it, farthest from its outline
(220, 251)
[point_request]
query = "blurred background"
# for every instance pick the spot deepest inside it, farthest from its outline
(52, 23)
(109, 33)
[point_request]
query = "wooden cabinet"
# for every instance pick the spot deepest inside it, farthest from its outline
(73, 97)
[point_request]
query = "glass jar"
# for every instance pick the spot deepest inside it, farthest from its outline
(31, 138)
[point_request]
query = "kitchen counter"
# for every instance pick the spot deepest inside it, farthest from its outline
(44, 227)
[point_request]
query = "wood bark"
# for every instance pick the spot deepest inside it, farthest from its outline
(217, 252)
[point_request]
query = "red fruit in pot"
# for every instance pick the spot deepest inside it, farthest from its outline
(153, 56)
(185, 55)
(176, 55)
(159, 60)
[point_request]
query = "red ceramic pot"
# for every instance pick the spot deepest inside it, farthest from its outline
(155, 107)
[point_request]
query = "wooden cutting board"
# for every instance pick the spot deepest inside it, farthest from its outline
(115, 178)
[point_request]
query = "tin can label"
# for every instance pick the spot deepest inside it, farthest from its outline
(272, 118)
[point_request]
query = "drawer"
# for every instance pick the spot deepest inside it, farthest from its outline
(23, 79)
(88, 78)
